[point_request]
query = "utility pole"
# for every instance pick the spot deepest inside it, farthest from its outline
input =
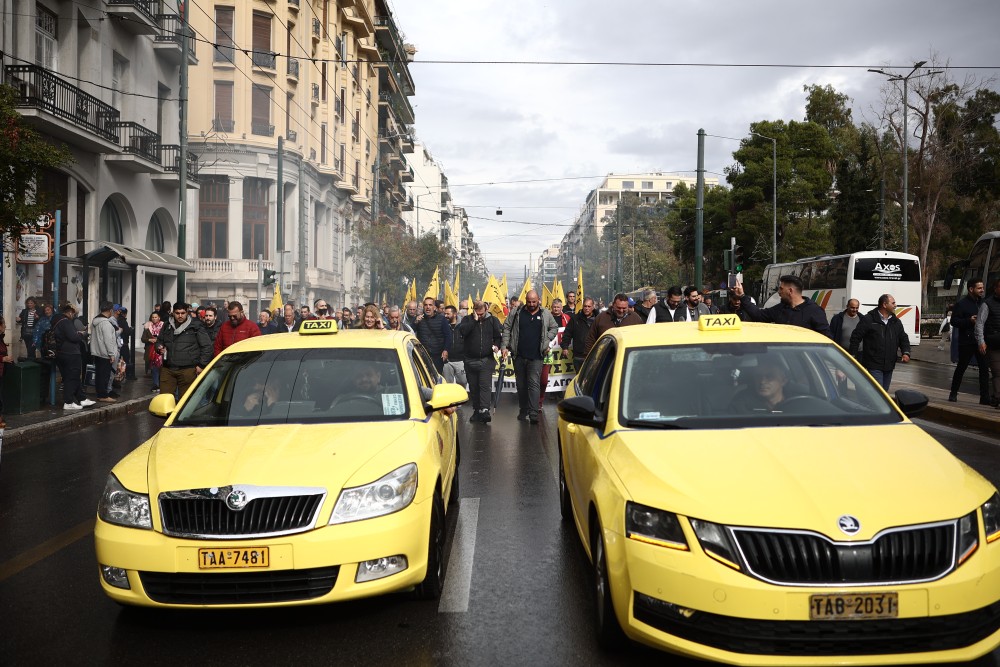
(699, 210)
(280, 212)
(260, 283)
(881, 214)
(182, 167)
(302, 238)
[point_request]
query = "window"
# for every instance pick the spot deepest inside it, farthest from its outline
(322, 143)
(119, 74)
(111, 224)
(154, 234)
(647, 185)
(213, 217)
(322, 84)
(255, 210)
(223, 121)
(628, 185)
(46, 37)
(262, 54)
(260, 118)
(224, 27)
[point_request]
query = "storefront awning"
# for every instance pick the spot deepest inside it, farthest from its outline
(107, 251)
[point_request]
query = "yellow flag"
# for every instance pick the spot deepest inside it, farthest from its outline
(450, 299)
(492, 296)
(579, 288)
(276, 299)
(546, 296)
(411, 293)
(458, 287)
(524, 290)
(470, 302)
(478, 296)
(504, 291)
(557, 291)
(433, 287)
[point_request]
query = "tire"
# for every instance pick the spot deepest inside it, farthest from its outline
(430, 588)
(565, 502)
(453, 494)
(609, 633)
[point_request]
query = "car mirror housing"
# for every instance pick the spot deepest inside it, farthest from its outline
(162, 405)
(911, 402)
(447, 395)
(580, 410)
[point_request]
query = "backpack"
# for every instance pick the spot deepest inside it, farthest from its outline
(50, 343)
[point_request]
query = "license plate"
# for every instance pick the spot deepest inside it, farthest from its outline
(853, 606)
(243, 557)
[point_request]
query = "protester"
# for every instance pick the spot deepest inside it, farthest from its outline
(28, 319)
(574, 338)
(616, 316)
(482, 335)
(186, 350)
(881, 334)
(527, 333)
(794, 309)
(264, 323)
(371, 319)
(237, 328)
(988, 336)
(434, 332)
(69, 358)
(844, 323)
(668, 309)
(150, 336)
(454, 368)
(211, 320)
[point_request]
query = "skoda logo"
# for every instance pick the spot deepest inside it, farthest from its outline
(236, 500)
(849, 524)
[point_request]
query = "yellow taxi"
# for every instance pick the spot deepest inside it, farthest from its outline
(747, 494)
(299, 468)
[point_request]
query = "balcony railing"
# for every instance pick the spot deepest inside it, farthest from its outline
(39, 88)
(293, 4)
(170, 31)
(355, 130)
(170, 158)
(264, 59)
(223, 125)
(316, 28)
(141, 141)
(291, 135)
(261, 128)
(293, 67)
(224, 54)
(144, 7)
(315, 93)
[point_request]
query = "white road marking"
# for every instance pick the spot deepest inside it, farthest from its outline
(955, 431)
(458, 580)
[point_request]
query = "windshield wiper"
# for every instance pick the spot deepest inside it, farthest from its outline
(647, 423)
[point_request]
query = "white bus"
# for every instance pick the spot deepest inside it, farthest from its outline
(830, 280)
(983, 263)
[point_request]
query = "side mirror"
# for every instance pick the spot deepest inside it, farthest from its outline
(580, 410)
(447, 395)
(162, 405)
(912, 403)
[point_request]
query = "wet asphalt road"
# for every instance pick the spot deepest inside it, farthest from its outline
(529, 601)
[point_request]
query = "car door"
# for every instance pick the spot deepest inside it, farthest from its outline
(584, 442)
(441, 427)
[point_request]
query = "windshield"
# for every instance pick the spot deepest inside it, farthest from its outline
(297, 386)
(744, 385)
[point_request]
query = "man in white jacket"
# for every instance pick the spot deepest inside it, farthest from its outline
(104, 349)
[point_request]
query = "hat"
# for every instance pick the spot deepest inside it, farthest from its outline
(123, 309)
(116, 306)
(195, 305)
(631, 302)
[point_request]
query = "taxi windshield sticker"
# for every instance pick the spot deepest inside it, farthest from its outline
(649, 415)
(393, 404)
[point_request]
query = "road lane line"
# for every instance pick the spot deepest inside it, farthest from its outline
(551, 452)
(458, 580)
(923, 423)
(45, 549)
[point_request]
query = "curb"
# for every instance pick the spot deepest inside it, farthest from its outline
(23, 436)
(960, 417)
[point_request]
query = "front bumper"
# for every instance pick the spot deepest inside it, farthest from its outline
(314, 567)
(687, 603)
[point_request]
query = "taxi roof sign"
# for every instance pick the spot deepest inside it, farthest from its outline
(719, 323)
(309, 327)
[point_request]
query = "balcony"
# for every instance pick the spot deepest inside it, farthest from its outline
(223, 125)
(406, 175)
(229, 270)
(408, 204)
(355, 130)
(136, 16)
(64, 111)
(316, 29)
(263, 59)
(140, 149)
(170, 158)
(167, 43)
(314, 98)
(224, 55)
(293, 69)
(292, 135)
(261, 128)
(293, 5)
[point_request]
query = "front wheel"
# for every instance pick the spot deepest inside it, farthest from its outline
(430, 588)
(565, 502)
(609, 633)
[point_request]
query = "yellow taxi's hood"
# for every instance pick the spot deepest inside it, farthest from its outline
(318, 455)
(798, 477)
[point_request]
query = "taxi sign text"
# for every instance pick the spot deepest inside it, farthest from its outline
(318, 327)
(719, 323)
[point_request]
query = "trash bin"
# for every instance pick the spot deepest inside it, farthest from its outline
(46, 367)
(21, 391)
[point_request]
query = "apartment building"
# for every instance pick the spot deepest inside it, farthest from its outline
(102, 79)
(299, 104)
(649, 187)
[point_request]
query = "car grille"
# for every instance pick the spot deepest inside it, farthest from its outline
(240, 587)
(820, 638)
(898, 556)
(211, 517)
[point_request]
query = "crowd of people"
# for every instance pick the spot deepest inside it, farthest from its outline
(465, 344)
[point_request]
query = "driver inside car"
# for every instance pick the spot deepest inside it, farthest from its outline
(766, 390)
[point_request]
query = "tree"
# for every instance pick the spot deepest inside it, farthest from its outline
(25, 156)
(396, 256)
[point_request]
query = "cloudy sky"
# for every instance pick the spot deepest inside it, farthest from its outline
(565, 126)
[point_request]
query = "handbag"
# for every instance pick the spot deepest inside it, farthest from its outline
(120, 371)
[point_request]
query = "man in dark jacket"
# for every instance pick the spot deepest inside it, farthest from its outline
(434, 333)
(454, 369)
(882, 334)
(211, 322)
(963, 321)
(575, 335)
(618, 315)
(69, 360)
(844, 323)
(237, 328)
(186, 349)
(733, 305)
(481, 336)
(527, 333)
(668, 309)
(794, 309)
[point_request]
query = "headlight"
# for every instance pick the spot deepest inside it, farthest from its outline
(716, 542)
(991, 518)
(649, 524)
(968, 537)
(384, 496)
(123, 507)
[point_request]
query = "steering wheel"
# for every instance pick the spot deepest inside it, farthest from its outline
(346, 398)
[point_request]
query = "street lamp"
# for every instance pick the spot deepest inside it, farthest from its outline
(906, 140)
(774, 196)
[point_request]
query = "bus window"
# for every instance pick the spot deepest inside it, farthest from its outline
(994, 269)
(837, 273)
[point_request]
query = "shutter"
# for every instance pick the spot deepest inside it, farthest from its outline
(224, 103)
(261, 33)
(224, 26)
(261, 111)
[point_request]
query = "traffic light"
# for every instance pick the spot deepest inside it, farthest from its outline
(727, 260)
(270, 277)
(738, 259)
